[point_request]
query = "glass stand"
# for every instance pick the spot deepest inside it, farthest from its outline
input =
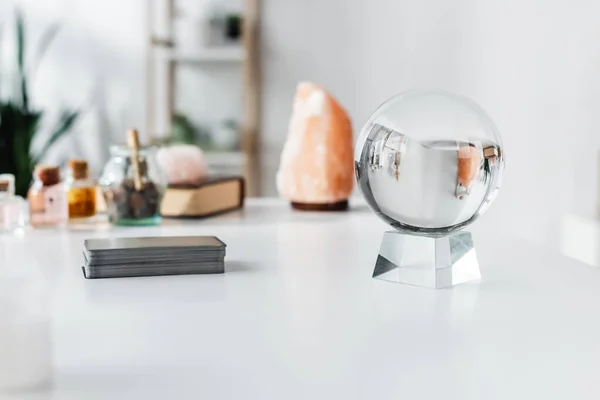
(433, 262)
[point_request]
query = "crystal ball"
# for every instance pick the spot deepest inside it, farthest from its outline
(429, 162)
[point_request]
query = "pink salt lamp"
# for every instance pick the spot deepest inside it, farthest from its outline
(183, 164)
(317, 170)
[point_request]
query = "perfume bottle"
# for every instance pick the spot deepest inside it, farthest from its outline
(11, 206)
(47, 198)
(81, 191)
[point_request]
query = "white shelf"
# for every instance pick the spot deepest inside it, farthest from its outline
(225, 159)
(229, 54)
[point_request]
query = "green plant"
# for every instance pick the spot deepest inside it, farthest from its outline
(19, 122)
(182, 130)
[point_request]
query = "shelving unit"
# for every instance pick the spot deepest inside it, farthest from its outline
(227, 158)
(164, 58)
(226, 162)
(225, 54)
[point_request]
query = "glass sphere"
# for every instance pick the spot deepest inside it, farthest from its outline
(428, 162)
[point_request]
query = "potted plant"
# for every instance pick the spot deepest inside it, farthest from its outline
(19, 120)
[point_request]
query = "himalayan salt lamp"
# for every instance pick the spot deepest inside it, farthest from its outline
(182, 164)
(317, 169)
(468, 167)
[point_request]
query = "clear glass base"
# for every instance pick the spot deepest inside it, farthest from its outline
(433, 262)
(154, 220)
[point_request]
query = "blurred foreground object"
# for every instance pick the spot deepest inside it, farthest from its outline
(25, 343)
(182, 164)
(428, 164)
(316, 169)
(19, 122)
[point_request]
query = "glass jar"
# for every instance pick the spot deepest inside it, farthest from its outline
(12, 215)
(47, 198)
(129, 203)
(81, 191)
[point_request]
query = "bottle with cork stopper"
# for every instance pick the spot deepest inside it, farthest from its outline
(81, 191)
(12, 212)
(133, 183)
(47, 198)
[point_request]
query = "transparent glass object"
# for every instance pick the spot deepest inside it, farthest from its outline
(433, 262)
(429, 163)
(126, 204)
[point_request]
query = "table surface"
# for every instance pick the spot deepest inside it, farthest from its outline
(298, 316)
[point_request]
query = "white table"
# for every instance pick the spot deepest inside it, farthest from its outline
(297, 316)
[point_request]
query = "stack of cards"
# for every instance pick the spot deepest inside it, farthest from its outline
(122, 257)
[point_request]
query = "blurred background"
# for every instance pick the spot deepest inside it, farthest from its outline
(223, 74)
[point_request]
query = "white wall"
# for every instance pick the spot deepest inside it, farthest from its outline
(533, 64)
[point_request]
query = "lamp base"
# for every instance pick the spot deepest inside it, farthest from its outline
(339, 206)
(433, 262)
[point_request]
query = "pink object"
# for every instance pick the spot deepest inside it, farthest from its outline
(317, 160)
(47, 197)
(182, 164)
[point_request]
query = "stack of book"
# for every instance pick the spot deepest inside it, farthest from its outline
(150, 256)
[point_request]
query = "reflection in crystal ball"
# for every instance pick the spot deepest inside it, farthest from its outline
(428, 162)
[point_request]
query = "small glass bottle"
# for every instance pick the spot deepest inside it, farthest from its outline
(47, 198)
(11, 206)
(81, 191)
